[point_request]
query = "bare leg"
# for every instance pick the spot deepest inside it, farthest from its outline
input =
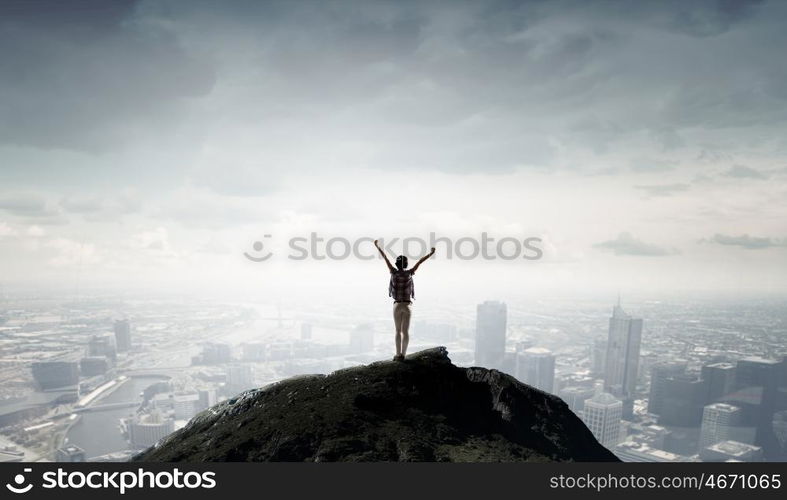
(405, 329)
(398, 326)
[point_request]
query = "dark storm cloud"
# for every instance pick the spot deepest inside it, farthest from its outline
(495, 85)
(746, 241)
(626, 244)
(703, 18)
(86, 75)
(456, 86)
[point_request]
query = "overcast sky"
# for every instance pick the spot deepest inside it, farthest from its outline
(149, 144)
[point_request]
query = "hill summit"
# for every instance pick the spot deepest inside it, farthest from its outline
(422, 409)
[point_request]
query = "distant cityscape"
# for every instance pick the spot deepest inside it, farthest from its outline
(101, 378)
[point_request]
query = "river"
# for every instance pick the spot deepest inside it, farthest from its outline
(98, 432)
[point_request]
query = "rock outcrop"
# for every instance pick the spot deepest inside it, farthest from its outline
(422, 409)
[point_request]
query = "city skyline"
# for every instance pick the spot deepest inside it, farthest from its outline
(672, 413)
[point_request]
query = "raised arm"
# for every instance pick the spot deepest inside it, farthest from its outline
(422, 260)
(387, 262)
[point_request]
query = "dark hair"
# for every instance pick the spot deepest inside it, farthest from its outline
(401, 262)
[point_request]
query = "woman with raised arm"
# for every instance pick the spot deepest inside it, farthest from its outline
(402, 290)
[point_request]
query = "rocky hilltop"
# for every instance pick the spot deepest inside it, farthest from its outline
(422, 409)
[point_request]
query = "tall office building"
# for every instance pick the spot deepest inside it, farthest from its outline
(536, 367)
(207, 397)
(240, 377)
(764, 377)
(780, 431)
(659, 374)
(92, 366)
(598, 353)
(575, 397)
(719, 423)
(185, 405)
(103, 345)
(215, 353)
(602, 415)
(52, 375)
(685, 396)
(490, 334)
(622, 359)
(123, 335)
(758, 372)
(720, 378)
(146, 430)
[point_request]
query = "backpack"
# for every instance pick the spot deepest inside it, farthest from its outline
(401, 286)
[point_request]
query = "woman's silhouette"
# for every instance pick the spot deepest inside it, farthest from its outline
(402, 289)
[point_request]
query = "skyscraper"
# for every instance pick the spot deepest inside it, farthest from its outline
(490, 334)
(92, 366)
(239, 377)
(576, 396)
(622, 359)
(207, 397)
(123, 335)
(536, 367)
(685, 396)
(758, 372)
(719, 421)
(780, 431)
(602, 415)
(763, 376)
(720, 378)
(185, 405)
(103, 345)
(598, 351)
(214, 353)
(53, 375)
(147, 429)
(659, 374)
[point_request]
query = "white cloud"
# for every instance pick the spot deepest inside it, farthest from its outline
(35, 232)
(72, 254)
(6, 230)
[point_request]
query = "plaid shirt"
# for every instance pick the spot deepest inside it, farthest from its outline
(401, 287)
